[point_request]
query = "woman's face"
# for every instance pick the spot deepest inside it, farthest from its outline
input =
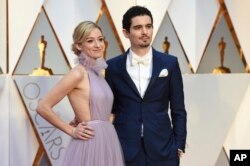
(93, 45)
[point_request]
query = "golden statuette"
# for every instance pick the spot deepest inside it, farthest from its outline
(42, 70)
(221, 69)
(166, 45)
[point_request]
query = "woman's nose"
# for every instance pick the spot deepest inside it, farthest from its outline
(97, 43)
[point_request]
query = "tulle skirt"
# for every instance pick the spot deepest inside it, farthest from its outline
(102, 150)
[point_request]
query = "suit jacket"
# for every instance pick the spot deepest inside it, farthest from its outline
(163, 134)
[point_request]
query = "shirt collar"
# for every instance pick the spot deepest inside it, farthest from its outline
(148, 55)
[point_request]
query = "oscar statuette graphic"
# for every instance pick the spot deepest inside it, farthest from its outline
(166, 45)
(221, 69)
(42, 70)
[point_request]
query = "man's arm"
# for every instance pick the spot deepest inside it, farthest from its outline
(177, 106)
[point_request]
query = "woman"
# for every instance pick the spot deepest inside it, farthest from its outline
(95, 142)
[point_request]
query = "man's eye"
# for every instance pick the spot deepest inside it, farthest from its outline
(137, 27)
(149, 26)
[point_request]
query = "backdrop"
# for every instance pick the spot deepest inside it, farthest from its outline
(217, 104)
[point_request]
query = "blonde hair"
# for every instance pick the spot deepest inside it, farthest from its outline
(81, 32)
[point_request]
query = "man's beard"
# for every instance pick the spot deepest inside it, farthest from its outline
(144, 45)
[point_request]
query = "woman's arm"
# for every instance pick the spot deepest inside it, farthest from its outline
(56, 94)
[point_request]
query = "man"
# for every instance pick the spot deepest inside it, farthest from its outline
(145, 83)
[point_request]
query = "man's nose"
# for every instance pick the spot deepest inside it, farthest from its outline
(144, 30)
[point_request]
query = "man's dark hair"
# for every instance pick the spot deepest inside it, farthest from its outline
(133, 12)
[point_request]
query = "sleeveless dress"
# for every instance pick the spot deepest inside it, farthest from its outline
(104, 149)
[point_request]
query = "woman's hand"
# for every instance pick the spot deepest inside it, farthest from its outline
(83, 131)
(74, 122)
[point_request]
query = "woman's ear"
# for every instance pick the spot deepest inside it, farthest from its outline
(78, 46)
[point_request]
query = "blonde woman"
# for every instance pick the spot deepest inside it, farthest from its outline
(95, 142)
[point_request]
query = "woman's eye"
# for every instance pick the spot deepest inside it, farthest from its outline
(89, 41)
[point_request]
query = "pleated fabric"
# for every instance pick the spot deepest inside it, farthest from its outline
(103, 150)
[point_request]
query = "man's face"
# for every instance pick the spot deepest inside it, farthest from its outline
(141, 31)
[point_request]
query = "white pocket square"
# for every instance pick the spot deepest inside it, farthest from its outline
(163, 73)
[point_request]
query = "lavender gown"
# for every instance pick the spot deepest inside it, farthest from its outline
(104, 149)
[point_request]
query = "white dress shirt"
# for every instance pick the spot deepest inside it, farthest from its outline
(140, 72)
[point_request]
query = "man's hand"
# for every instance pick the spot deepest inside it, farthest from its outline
(180, 153)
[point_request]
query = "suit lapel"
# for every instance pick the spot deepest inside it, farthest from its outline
(157, 66)
(125, 74)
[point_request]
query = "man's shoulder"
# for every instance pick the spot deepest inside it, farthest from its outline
(164, 56)
(115, 59)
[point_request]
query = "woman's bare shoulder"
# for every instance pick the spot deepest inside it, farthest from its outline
(78, 72)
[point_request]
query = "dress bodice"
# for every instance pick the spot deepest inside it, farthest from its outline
(101, 96)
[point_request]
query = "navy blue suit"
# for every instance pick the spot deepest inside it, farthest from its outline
(163, 135)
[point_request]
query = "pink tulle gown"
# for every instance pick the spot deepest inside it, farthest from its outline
(104, 149)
